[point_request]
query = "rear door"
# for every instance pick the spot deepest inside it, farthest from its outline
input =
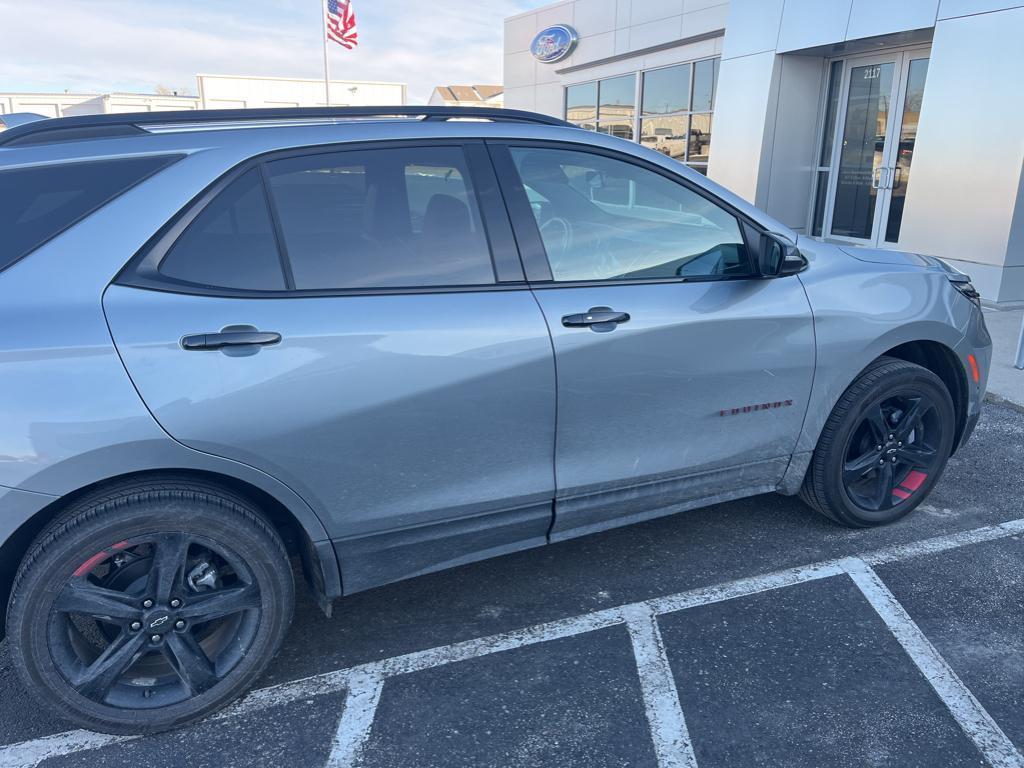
(355, 323)
(683, 377)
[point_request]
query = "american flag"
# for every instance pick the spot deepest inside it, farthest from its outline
(341, 23)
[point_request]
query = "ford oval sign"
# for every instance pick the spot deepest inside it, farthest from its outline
(554, 43)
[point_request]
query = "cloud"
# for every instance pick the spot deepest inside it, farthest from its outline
(133, 45)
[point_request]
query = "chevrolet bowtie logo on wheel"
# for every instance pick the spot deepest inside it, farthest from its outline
(159, 622)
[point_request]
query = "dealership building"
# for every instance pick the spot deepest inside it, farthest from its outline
(884, 123)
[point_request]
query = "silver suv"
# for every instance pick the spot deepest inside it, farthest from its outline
(385, 343)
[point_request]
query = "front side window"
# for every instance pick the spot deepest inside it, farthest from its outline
(380, 218)
(606, 219)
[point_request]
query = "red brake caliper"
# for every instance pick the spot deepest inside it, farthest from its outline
(98, 558)
(910, 484)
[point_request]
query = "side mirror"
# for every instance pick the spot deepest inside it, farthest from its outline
(778, 258)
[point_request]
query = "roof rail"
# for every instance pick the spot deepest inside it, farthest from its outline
(130, 124)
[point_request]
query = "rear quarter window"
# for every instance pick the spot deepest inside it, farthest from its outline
(40, 202)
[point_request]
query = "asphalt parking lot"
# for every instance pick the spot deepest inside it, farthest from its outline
(749, 633)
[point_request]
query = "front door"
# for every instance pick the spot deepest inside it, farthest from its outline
(334, 319)
(874, 146)
(682, 376)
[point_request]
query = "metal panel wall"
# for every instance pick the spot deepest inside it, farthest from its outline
(963, 194)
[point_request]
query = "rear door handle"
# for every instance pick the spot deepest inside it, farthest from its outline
(597, 318)
(229, 339)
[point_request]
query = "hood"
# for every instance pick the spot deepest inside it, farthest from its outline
(885, 256)
(901, 259)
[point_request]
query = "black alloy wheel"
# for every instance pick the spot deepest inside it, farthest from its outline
(149, 604)
(893, 451)
(154, 621)
(883, 447)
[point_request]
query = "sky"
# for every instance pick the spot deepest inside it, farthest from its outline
(136, 45)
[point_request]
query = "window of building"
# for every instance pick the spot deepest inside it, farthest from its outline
(605, 219)
(607, 106)
(581, 105)
(675, 115)
(380, 218)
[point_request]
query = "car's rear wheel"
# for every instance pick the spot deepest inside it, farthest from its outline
(884, 446)
(149, 605)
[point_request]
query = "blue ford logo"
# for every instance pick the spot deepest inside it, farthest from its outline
(554, 43)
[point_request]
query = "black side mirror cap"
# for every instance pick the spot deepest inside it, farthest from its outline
(794, 263)
(779, 258)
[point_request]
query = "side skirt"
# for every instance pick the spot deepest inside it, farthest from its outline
(381, 558)
(598, 511)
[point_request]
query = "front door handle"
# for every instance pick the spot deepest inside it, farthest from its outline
(596, 318)
(229, 339)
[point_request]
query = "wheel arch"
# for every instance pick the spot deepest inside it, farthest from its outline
(319, 562)
(944, 363)
(937, 356)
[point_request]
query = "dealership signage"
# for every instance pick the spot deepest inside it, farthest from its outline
(554, 43)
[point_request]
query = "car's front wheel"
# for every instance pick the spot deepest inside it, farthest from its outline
(884, 446)
(149, 605)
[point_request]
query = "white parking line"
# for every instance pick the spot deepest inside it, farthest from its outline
(661, 700)
(28, 754)
(356, 719)
(979, 726)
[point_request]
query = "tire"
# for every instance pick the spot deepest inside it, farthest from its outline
(173, 540)
(861, 444)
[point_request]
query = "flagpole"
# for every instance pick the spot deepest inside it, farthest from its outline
(327, 64)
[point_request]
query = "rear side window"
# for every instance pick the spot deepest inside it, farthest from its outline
(38, 203)
(231, 243)
(380, 218)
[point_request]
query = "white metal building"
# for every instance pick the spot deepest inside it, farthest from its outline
(68, 104)
(887, 123)
(240, 92)
(215, 92)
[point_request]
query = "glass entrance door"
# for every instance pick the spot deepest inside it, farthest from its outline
(874, 147)
(902, 152)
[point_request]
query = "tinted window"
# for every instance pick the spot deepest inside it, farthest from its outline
(604, 219)
(581, 104)
(38, 203)
(380, 218)
(231, 242)
(667, 90)
(705, 73)
(616, 106)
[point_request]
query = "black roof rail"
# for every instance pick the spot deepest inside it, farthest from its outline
(130, 124)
